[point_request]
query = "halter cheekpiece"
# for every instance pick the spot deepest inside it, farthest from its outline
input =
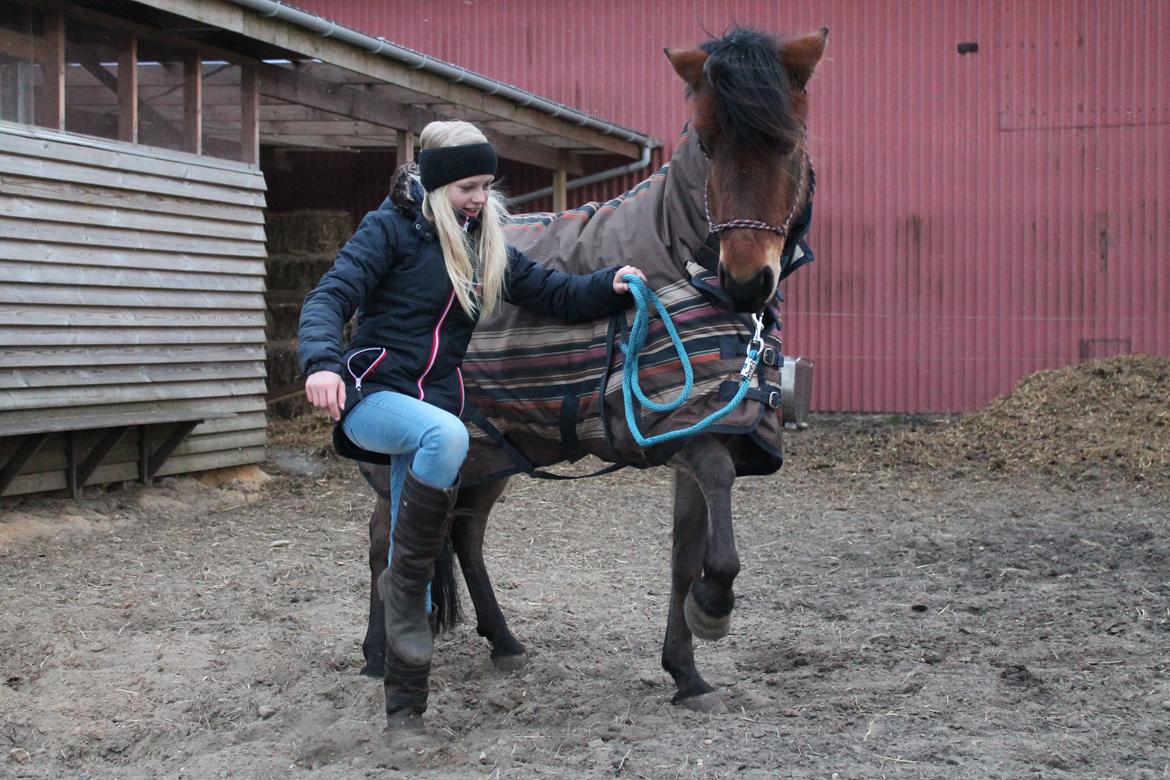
(755, 224)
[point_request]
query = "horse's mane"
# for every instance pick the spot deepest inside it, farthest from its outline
(752, 90)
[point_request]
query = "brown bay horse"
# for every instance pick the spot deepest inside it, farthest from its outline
(714, 230)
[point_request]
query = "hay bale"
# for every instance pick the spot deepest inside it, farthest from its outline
(281, 362)
(310, 231)
(301, 248)
(281, 321)
(299, 272)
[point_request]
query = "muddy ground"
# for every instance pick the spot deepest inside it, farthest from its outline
(896, 617)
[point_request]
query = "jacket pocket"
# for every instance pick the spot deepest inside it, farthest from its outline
(362, 363)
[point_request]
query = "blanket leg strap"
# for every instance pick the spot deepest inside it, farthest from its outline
(476, 415)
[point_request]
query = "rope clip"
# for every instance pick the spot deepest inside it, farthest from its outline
(755, 348)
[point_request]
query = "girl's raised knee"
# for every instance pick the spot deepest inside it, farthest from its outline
(457, 438)
(449, 436)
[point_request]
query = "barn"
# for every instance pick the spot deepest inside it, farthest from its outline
(993, 189)
(140, 143)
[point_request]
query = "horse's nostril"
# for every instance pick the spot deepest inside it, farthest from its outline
(766, 283)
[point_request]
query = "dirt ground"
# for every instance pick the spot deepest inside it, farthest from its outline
(919, 598)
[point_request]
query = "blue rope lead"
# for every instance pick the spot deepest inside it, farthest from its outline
(644, 297)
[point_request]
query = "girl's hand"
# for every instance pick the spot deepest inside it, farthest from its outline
(325, 390)
(619, 284)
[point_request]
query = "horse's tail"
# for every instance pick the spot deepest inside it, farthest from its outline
(444, 593)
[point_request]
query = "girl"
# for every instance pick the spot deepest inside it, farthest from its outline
(419, 272)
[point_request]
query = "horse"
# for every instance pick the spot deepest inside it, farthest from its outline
(714, 230)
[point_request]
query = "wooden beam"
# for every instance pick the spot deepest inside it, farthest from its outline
(250, 115)
(53, 67)
(21, 46)
(328, 127)
(277, 112)
(292, 86)
(71, 464)
(326, 143)
(38, 421)
(560, 191)
(156, 459)
(404, 148)
(93, 65)
(81, 474)
(93, 96)
(144, 449)
(24, 451)
(193, 102)
(128, 91)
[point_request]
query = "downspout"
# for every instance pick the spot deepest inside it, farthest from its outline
(380, 46)
(585, 181)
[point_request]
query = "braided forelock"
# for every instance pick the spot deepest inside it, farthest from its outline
(752, 90)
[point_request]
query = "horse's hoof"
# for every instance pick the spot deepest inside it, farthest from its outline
(510, 663)
(709, 703)
(703, 625)
(405, 729)
(375, 669)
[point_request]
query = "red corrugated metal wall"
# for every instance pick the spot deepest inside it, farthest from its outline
(980, 216)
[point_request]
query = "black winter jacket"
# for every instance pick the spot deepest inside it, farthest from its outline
(412, 333)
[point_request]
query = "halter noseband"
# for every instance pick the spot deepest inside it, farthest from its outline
(755, 224)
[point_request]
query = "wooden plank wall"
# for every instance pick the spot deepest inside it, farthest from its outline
(131, 281)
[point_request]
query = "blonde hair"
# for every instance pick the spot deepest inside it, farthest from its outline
(477, 272)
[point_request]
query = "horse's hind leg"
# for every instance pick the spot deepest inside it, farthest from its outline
(374, 645)
(471, 516)
(704, 564)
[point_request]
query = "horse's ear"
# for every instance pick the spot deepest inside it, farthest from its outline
(801, 55)
(688, 64)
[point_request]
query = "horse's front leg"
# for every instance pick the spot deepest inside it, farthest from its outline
(467, 533)
(704, 565)
(374, 645)
(711, 598)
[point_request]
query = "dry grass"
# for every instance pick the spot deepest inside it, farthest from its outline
(1108, 416)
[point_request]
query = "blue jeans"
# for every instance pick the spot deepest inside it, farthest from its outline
(397, 424)
(434, 440)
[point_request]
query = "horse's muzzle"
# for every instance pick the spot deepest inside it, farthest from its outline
(750, 294)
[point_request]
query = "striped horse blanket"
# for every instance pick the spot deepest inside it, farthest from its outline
(541, 392)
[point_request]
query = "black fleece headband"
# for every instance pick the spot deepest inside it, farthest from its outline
(446, 164)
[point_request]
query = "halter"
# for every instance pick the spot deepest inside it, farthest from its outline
(755, 224)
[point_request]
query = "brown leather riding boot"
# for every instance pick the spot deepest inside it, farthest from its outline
(424, 519)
